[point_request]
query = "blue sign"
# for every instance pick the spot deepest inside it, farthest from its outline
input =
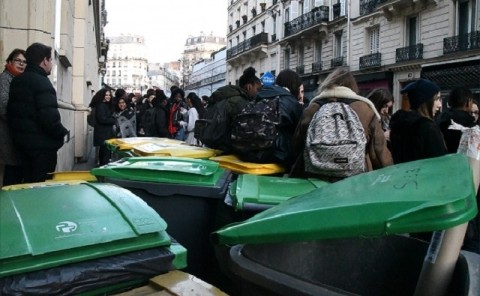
(267, 79)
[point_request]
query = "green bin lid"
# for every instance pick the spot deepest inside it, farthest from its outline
(258, 190)
(174, 170)
(54, 224)
(418, 196)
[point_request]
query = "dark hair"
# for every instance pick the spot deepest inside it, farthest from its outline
(98, 97)
(119, 93)
(248, 77)
(196, 103)
(291, 80)
(36, 52)
(459, 97)
(117, 109)
(178, 91)
(15, 53)
(160, 94)
(339, 77)
(380, 97)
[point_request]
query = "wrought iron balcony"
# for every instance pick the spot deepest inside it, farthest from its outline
(317, 66)
(307, 20)
(412, 52)
(248, 44)
(462, 42)
(337, 62)
(300, 69)
(371, 60)
(369, 6)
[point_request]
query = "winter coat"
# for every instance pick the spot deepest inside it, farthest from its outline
(237, 98)
(414, 137)
(126, 123)
(452, 137)
(32, 112)
(8, 154)
(190, 128)
(156, 126)
(377, 154)
(290, 113)
(104, 126)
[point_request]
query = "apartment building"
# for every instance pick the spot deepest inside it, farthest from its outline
(127, 63)
(74, 29)
(208, 74)
(385, 43)
(198, 48)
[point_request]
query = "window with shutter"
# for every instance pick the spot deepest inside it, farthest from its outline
(374, 39)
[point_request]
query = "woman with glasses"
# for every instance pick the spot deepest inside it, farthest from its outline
(10, 169)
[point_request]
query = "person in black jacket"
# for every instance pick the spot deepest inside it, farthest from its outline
(33, 117)
(103, 130)
(414, 135)
(460, 106)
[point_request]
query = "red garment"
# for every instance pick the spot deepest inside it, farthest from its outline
(172, 129)
(11, 68)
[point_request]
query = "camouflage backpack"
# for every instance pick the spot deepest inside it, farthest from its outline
(256, 127)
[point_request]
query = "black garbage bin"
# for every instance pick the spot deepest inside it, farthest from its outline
(184, 191)
(60, 239)
(348, 238)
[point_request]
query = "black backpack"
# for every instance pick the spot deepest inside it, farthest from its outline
(214, 129)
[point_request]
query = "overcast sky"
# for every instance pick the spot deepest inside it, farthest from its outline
(166, 24)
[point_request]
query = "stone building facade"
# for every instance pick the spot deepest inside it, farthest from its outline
(385, 43)
(74, 29)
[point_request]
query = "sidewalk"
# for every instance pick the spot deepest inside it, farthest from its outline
(88, 164)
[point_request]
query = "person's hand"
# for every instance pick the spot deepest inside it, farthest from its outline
(182, 123)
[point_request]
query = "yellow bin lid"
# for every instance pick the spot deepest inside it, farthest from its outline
(129, 143)
(73, 175)
(182, 150)
(234, 164)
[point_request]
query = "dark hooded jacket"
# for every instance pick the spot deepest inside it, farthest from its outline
(452, 137)
(32, 112)
(414, 137)
(290, 113)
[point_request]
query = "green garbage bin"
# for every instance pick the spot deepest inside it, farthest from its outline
(184, 191)
(76, 238)
(334, 229)
(255, 193)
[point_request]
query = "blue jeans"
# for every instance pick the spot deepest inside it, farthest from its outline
(180, 135)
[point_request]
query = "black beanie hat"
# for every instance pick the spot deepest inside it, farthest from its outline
(419, 92)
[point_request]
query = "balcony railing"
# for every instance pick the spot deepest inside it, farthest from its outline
(462, 42)
(317, 66)
(371, 60)
(369, 6)
(412, 52)
(300, 69)
(337, 62)
(248, 44)
(307, 20)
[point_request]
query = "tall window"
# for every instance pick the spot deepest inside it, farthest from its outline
(338, 44)
(301, 54)
(374, 36)
(412, 30)
(466, 16)
(318, 50)
(287, 59)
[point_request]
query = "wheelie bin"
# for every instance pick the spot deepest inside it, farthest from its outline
(80, 238)
(350, 237)
(184, 191)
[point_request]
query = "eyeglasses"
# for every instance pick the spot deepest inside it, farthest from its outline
(474, 112)
(20, 62)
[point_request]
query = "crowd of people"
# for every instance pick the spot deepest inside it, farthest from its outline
(31, 131)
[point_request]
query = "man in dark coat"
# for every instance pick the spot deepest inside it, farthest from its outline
(460, 104)
(33, 116)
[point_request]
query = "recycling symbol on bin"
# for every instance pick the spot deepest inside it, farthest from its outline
(66, 226)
